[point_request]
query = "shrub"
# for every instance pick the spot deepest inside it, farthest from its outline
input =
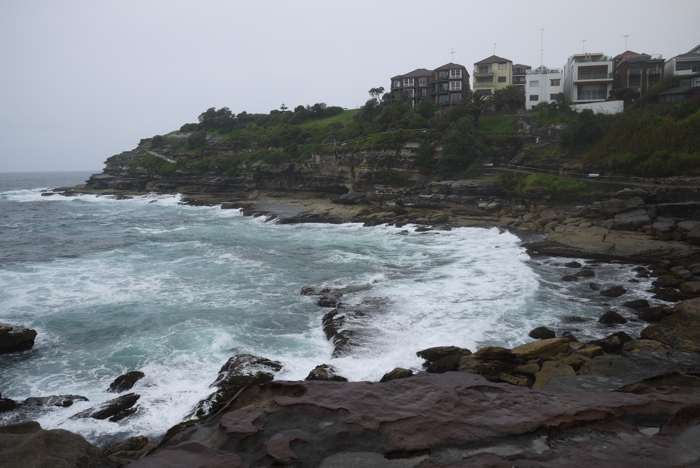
(394, 179)
(197, 140)
(157, 141)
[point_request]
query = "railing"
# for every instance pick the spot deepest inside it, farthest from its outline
(483, 85)
(654, 71)
(591, 95)
(593, 76)
(484, 72)
(544, 72)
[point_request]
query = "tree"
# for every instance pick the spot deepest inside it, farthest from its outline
(376, 92)
(478, 103)
(197, 140)
(157, 141)
(500, 99)
(425, 157)
(460, 149)
(514, 96)
(284, 108)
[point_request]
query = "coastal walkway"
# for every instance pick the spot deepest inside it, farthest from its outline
(153, 153)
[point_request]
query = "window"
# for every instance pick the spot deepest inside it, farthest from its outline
(408, 81)
(397, 84)
(501, 79)
(455, 85)
(503, 66)
(534, 97)
(552, 97)
(456, 73)
(410, 92)
(534, 84)
(456, 97)
(422, 81)
(556, 82)
(484, 80)
(444, 75)
(443, 99)
(484, 70)
(423, 92)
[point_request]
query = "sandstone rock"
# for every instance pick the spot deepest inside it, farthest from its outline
(615, 206)
(14, 338)
(125, 382)
(637, 346)
(129, 450)
(576, 361)
(328, 300)
(631, 220)
(590, 351)
(27, 445)
(614, 291)
(61, 401)
(489, 361)
(551, 369)
(612, 343)
(114, 410)
(691, 288)
(350, 199)
(693, 237)
(513, 380)
(667, 281)
(327, 373)
(445, 364)
(668, 295)
(612, 318)
(541, 333)
(397, 373)
(626, 194)
(533, 350)
(439, 352)
(681, 329)
(667, 380)
(529, 369)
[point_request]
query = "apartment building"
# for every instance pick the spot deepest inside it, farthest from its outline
(542, 84)
(445, 85)
(687, 66)
(588, 77)
(519, 74)
(491, 74)
(637, 71)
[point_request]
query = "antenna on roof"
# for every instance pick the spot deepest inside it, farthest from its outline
(453, 55)
(494, 48)
(626, 36)
(541, 47)
(584, 46)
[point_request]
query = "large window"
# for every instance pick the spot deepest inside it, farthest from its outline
(591, 92)
(484, 70)
(534, 97)
(455, 73)
(422, 81)
(535, 84)
(552, 97)
(687, 65)
(410, 92)
(423, 92)
(501, 79)
(555, 82)
(503, 66)
(456, 97)
(397, 84)
(455, 85)
(484, 80)
(408, 81)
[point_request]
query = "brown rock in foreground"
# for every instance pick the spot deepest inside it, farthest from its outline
(451, 419)
(681, 329)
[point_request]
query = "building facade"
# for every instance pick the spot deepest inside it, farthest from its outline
(491, 74)
(520, 73)
(446, 85)
(637, 71)
(542, 84)
(687, 66)
(588, 77)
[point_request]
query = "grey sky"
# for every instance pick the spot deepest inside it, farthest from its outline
(83, 80)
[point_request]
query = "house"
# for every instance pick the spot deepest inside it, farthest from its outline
(542, 84)
(679, 94)
(519, 74)
(491, 74)
(446, 85)
(687, 66)
(588, 77)
(637, 71)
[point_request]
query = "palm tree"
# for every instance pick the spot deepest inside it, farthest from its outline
(478, 103)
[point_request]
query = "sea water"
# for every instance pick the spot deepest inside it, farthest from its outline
(149, 284)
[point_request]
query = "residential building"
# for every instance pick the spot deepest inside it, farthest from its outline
(679, 94)
(446, 85)
(687, 66)
(588, 77)
(491, 74)
(519, 74)
(542, 84)
(637, 71)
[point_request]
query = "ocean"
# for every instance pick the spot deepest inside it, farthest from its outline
(172, 290)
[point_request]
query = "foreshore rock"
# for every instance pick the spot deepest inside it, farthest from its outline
(14, 338)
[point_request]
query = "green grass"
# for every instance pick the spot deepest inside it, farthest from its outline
(345, 117)
(501, 124)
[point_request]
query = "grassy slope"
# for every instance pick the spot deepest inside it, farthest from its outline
(501, 124)
(345, 117)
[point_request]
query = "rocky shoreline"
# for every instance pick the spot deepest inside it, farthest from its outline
(618, 401)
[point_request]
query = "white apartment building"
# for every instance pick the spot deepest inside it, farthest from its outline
(542, 84)
(588, 77)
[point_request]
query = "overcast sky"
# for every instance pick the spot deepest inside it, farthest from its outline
(82, 80)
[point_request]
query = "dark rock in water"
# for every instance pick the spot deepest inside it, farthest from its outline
(27, 445)
(328, 300)
(569, 278)
(62, 401)
(116, 409)
(668, 295)
(654, 314)
(335, 324)
(570, 336)
(6, 404)
(439, 352)
(612, 343)
(573, 265)
(315, 290)
(612, 318)
(13, 338)
(490, 361)
(681, 329)
(445, 364)
(586, 273)
(423, 229)
(125, 382)
(574, 319)
(615, 291)
(398, 373)
(594, 286)
(452, 419)
(637, 304)
(667, 281)
(327, 373)
(239, 371)
(542, 333)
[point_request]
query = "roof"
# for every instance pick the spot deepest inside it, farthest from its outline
(688, 56)
(520, 65)
(451, 65)
(681, 90)
(414, 73)
(492, 59)
(695, 50)
(627, 53)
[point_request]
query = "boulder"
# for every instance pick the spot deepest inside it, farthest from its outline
(445, 364)
(489, 361)
(632, 220)
(612, 318)
(350, 199)
(551, 369)
(667, 281)
(614, 291)
(590, 351)
(439, 352)
(673, 379)
(576, 361)
(61, 401)
(398, 373)
(586, 273)
(692, 288)
(569, 278)
(637, 346)
(125, 382)
(542, 333)
(693, 237)
(129, 450)
(328, 300)
(529, 369)
(573, 265)
(7, 404)
(654, 314)
(681, 329)
(637, 304)
(27, 445)
(535, 349)
(594, 286)
(114, 410)
(612, 343)
(616, 206)
(327, 373)
(14, 338)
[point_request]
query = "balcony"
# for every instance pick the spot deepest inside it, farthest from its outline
(483, 85)
(635, 71)
(654, 71)
(484, 72)
(593, 76)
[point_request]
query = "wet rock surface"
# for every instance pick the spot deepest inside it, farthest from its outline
(450, 419)
(326, 373)
(125, 382)
(14, 338)
(114, 410)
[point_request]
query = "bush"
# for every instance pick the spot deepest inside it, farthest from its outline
(157, 141)
(460, 149)
(586, 130)
(394, 179)
(197, 140)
